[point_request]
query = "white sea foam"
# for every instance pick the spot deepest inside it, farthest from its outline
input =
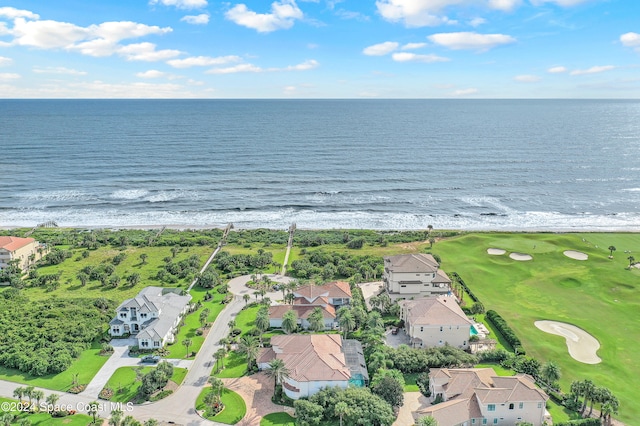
(164, 196)
(129, 194)
(67, 195)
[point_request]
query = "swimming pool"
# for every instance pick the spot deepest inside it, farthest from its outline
(474, 332)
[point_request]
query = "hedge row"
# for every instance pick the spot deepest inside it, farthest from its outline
(506, 331)
(466, 289)
(581, 422)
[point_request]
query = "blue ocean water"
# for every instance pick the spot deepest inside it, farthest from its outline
(381, 164)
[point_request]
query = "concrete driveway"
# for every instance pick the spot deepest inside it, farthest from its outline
(238, 286)
(395, 340)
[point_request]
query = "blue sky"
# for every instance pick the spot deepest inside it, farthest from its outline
(320, 49)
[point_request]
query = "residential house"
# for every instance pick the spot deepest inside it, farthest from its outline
(478, 396)
(152, 316)
(328, 298)
(316, 361)
(410, 276)
(435, 321)
(26, 250)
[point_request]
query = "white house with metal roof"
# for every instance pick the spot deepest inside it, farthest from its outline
(152, 316)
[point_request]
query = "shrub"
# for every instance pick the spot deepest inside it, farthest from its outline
(581, 422)
(506, 331)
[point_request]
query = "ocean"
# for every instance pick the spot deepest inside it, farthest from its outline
(556, 165)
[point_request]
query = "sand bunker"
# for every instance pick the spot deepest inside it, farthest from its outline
(520, 256)
(582, 346)
(577, 255)
(496, 251)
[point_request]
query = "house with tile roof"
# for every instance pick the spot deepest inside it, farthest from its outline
(27, 251)
(316, 361)
(478, 396)
(328, 298)
(152, 316)
(435, 321)
(410, 276)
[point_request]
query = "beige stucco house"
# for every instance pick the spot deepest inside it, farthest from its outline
(26, 250)
(316, 361)
(410, 276)
(152, 317)
(328, 298)
(435, 321)
(478, 396)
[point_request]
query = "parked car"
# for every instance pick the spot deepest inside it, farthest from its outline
(395, 330)
(150, 359)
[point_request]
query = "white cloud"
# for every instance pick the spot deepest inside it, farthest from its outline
(631, 40)
(146, 52)
(47, 34)
(470, 40)
(283, 15)
(9, 76)
(464, 92)
(412, 57)
(505, 5)
(203, 61)
(5, 61)
(240, 68)
(151, 74)
(381, 49)
(413, 46)
(557, 70)
(476, 22)
(527, 78)
(58, 70)
(593, 70)
(13, 13)
(182, 4)
(289, 90)
(193, 82)
(201, 19)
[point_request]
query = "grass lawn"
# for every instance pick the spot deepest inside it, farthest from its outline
(192, 324)
(246, 318)
(234, 407)
(500, 370)
(277, 419)
(561, 414)
(235, 365)
(45, 419)
(87, 365)
(410, 382)
(278, 251)
(123, 382)
(598, 295)
(70, 285)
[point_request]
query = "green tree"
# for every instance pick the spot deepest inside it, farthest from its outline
(6, 419)
(427, 421)
(289, 321)
(389, 389)
(151, 422)
(550, 373)
(174, 251)
(38, 395)
(307, 413)
(116, 417)
(340, 410)
(143, 258)
(278, 371)
(609, 408)
(316, 320)
(219, 357)
(187, 343)
(611, 250)
(346, 321)
(28, 392)
(246, 298)
(92, 409)
(19, 393)
(52, 400)
(83, 278)
(133, 279)
(262, 322)
(204, 317)
(248, 346)
(130, 421)
(217, 386)
(632, 260)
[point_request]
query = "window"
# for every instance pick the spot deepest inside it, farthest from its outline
(440, 328)
(495, 421)
(473, 421)
(144, 344)
(484, 421)
(521, 405)
(123, 315)
(143, 315)
(421, 328)
(116, 330)
(156, 344)
(511, 406)
(417, 275)
(403, 285)
(491, 407)
(539, 404)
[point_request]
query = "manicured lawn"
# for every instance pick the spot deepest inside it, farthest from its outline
(123, 382)
(70, 285)
(560, 414)
(410, 382)
(500, 370)
(192, 324)
(598, 295)
(494, 332)
(45, 419)
(86, 366)
(245, 320)
(234, 407)
(235, 365)
(277, 419)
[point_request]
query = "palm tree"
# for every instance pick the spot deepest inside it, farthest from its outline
(340, 410)
(289, 321)
(6, 419)
(83, 278)
(611, 250)
(151, 422)
(262, 322)
(219, 356)
(186, 343)
(431, 242)
(246, 298)
(217, 386)
(550, 373)
(610, 407)
(28, 392)
(93, 410)
(116, 417)
(38, 395)
(631, 261)
(587, 391)
(130, 421)
(430, 228)
(248, 345)
(52, 400)
(19, 393)
(347, 322)
(316, 320)
(427, 421)
(279, 371)
(24, 422)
